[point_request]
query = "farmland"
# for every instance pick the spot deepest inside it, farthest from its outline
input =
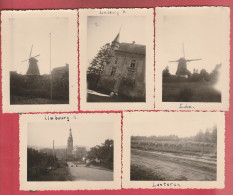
(178, 147)
(174, 158)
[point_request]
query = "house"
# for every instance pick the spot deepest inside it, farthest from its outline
(124, 74)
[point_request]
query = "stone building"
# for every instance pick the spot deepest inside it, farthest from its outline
(79, 153)
(60, 72)
(124, 74)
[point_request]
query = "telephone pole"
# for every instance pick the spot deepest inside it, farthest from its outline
(51, 83)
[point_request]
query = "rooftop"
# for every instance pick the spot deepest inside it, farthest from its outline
(132, 48)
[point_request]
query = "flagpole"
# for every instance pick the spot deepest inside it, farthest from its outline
(51, 83)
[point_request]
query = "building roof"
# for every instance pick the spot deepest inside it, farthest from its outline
(132, 48)
(62, 68)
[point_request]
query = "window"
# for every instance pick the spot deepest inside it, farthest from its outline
(116, 59)
(133, 64)
(131, 74)
(113, 71)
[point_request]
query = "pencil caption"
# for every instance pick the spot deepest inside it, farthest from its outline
(59, 118)
(112, 12)
(165, 184)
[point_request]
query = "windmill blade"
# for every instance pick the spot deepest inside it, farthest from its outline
(193, 60)
(25, 60)
(183, 50)
(31, 57)
(35, 56)
(31, 51)
(174, 61)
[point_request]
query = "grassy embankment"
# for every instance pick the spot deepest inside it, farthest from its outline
(190, 92)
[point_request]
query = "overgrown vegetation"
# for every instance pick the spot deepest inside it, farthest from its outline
(45, 167)
(36, 89)
(101, 59)
(140, 172)
(102, 155)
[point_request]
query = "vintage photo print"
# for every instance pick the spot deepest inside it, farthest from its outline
(39, 60)
(70, 151)
(173, 150)
(116, 59)
(192, 58)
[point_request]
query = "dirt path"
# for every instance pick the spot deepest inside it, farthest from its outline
(82, 173)
(172, 168)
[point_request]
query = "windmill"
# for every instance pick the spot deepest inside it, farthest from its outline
(32, 64)
(182, 70)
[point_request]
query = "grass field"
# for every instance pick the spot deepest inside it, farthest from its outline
(20, 100)
(190, 92)
(157, 166)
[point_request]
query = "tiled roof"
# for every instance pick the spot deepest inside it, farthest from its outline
(132, 48)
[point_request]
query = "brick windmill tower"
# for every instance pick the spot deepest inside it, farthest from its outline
(182, 70)
(32, 64)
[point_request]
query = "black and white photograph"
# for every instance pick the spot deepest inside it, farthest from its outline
(192, 57)
(117, 55)
(73, 148)
(175, 149)
(39, 58)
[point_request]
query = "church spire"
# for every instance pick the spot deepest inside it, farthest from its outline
(70, 144)
(116, 43)
(70, 136)
(117, 38)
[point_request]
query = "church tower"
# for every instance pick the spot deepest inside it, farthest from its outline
(70, 145)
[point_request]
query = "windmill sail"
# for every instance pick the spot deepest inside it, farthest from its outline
(182, 70)
(193, 60)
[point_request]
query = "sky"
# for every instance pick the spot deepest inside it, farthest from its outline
(204, 31)
(42, 134)
(103, 29)
(162, 124)
(28, 31)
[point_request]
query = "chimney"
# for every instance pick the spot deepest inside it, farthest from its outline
(133, 42)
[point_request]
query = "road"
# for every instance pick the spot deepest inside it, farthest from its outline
(172, 168)
(83, 173)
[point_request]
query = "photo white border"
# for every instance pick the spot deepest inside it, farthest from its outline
(115, 118)
(225, 84)
(131, 117)
(72, 16)
(149, 74)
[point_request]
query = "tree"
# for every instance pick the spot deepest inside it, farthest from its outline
(166, 72)
(101, 59)
(214, 75)
(204, 74)
(214, 134)
(102, 152)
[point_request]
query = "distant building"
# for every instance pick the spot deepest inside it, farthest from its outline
(79, 152)
(70, 146)
(125, 72)
(60, 72)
